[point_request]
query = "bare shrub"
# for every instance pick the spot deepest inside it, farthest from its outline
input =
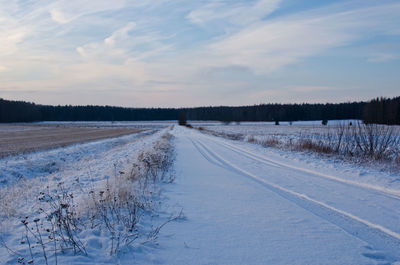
(62, 220)
(54, 229)
(120, 204)
(315, 146)
(368, 141)
(270, 142)
(356, 141)
(114, 208)
(251, 139)
(374, 141)
(234, 136)
(341, 132)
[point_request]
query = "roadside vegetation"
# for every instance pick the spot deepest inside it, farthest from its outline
(357, 142)
(68, 221)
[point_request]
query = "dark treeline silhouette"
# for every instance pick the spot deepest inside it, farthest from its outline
(19, 111)
(383, 111)
(279, 112)
(106, 113)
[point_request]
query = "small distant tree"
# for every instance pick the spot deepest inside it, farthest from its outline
(182, 119)
(276, 122)
(324, 122)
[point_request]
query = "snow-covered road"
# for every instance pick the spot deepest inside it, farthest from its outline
(243, 207)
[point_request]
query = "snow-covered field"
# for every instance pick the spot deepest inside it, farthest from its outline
(28, 180)
(283, 132)
(348, 138)
(17, 139)
(242, 203)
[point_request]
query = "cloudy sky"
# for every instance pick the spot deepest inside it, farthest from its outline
(171, 53)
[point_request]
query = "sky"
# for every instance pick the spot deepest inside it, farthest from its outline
(180, 53)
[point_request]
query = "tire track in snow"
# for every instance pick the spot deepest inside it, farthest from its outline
(206, 155)
(375, 235)
(392, 193)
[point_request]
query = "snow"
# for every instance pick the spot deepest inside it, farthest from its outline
(242, 203)
(263, 123)
(78, 167)
(75, 158)
(290, 137)
(242, 211)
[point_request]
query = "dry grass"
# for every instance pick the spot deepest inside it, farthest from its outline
(365, 141)
(114, 208)
(270, 142)
(359, 142)
(309, 145)
(232, 136)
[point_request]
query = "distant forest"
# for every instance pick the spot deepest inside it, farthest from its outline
(380, 110)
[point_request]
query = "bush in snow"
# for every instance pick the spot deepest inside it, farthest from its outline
(115, 209)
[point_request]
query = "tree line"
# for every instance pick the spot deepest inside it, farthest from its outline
(19, 111)
(381, 110)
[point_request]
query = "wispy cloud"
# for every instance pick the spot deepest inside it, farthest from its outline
(120, 34)
(65, 11)
(383, 57)
(143, 49)
(9, 40)
(240, 13)
(11, 31)
(269, 45)
(109, 48)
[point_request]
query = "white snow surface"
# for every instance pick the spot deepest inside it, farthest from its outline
(77, 158)
(91, 164)
(243, 204)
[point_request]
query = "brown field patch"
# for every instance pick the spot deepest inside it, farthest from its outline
(16, 139)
